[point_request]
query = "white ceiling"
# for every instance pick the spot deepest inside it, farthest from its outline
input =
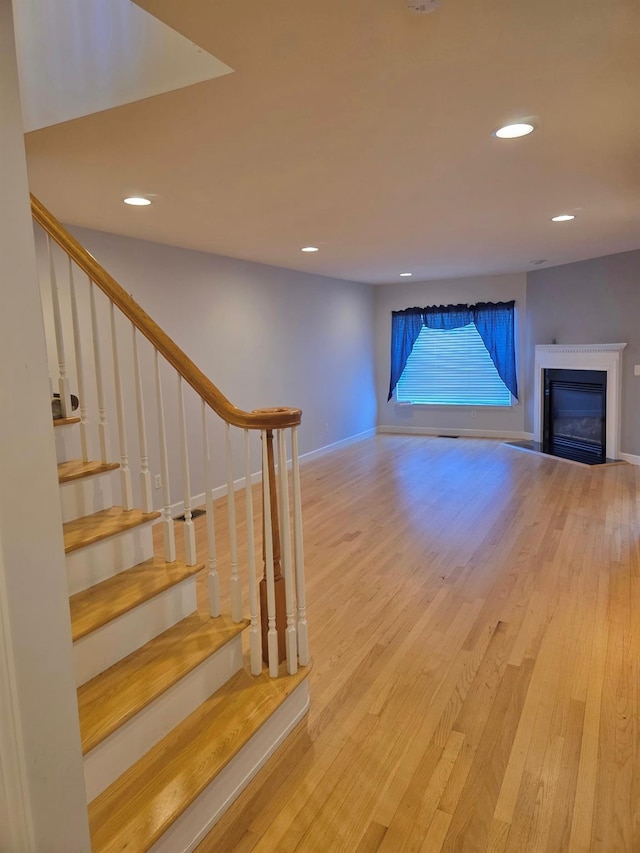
(365, 129)
(79, 57)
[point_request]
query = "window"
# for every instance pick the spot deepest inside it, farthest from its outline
(454, 355)
(451, 367)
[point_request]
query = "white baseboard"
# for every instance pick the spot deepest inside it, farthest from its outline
(512, 435)
(221, 491)
(631, 458)
(345, 442)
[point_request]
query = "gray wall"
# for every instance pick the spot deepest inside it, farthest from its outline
(394, 297)
(265, 336)
(590, 302)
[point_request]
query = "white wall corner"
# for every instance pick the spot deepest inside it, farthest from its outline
(42, 806)
(16, 828)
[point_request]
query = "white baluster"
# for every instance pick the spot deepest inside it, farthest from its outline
(272, 634)
(125, 473)
(285, 548)
(167, 521)
(213, 579)
(303, 634)
(97, 360)
(236, 588)
(63, 381)
(145, 474)
(189, 529)
(254, 630)
(77, 342)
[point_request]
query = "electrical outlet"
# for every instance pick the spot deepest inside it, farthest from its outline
(157, 481)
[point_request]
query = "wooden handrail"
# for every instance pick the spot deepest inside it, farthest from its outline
(275, 418)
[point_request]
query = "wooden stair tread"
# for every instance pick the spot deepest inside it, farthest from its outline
(100, 525)
(117, 694)
(65, 421)
(76, 469)
(94, 607)
(139, 806)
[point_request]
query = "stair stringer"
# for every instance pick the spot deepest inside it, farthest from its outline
(193, 824)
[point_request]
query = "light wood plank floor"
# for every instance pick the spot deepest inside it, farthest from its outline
(475, 628)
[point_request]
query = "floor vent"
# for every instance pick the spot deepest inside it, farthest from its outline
(194, 514)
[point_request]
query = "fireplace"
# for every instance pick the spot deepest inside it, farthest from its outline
(581, 364)
(575, 414)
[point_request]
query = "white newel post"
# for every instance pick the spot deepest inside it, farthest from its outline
(77, 342)
(189, 529)
(103, 438)
(285, 546)
(272, 635)
(254, 630)
(125, 473)
(301, 595)
(236, 588)
(167, 521)
(213, 579)
(63, 381)
(145, 474)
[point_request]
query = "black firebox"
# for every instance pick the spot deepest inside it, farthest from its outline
(575, 414)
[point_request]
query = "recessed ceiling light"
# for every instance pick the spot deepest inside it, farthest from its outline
(405, 274)
(513, 131)
(309, 249)
(137, 201)
(563, 217)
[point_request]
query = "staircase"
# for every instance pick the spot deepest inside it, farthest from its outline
(179, 705)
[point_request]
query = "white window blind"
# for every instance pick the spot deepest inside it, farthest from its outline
(451, 367)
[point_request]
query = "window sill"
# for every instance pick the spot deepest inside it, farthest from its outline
(457, 406)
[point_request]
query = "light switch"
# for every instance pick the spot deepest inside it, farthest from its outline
(636, 369)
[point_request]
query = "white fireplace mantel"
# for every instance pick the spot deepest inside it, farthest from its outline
(606, 357)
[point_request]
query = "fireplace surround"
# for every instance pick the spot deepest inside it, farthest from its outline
(575, 414)
(582, 357)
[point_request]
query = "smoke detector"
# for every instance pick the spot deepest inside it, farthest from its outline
(423, 6)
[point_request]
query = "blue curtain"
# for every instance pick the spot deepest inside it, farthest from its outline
(405, 328)
(493, 320)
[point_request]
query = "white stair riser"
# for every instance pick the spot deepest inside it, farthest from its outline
(130, 742)
(94, 563)
(67, 442)
(85, 496)
(118, 638)
(194, 823)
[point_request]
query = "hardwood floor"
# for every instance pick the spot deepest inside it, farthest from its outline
(475, 628)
